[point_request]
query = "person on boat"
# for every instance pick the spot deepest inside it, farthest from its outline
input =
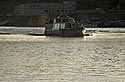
(83, 28)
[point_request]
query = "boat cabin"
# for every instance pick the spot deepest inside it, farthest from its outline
(64, 19)
(65, 22)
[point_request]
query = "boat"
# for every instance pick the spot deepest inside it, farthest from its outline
(64, 25)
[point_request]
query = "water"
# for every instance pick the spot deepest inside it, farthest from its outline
(28, 30)
(21, 30)
(97, 58)
(108, 29)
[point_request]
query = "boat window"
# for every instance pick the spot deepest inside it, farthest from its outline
(68, 26)
(76, 26)
(65, 20)
(62, 26)
(58, 20)
(56, 26)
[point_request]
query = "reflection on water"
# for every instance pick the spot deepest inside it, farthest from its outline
(94, 37)
(35, 58)
(97, 58)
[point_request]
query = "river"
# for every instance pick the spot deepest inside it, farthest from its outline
(97, 58)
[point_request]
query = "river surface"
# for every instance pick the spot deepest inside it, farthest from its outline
(28, 30)
(97, 58)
